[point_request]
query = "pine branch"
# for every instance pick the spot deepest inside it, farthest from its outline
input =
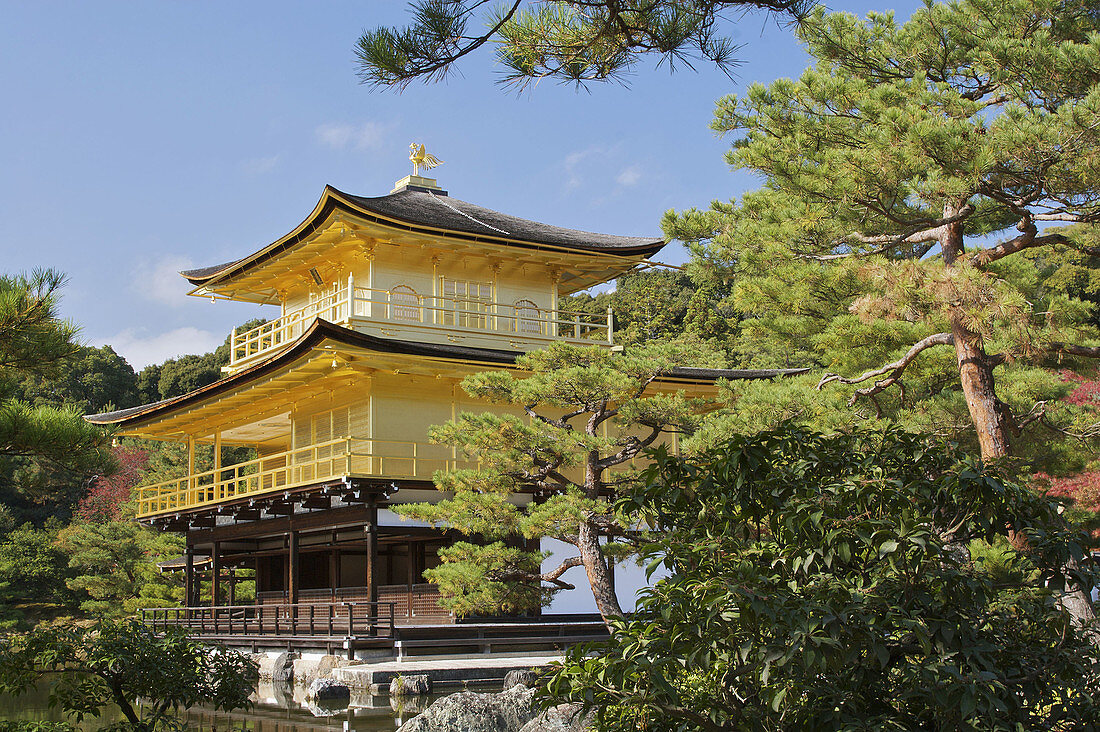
(894, 369)
(572, 40)
(552, 577)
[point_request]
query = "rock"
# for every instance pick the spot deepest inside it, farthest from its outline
(308, 669)
(321, 690)
(282, 668)
(327, 709)
(562, 718)
(412, 685)
(408, 706)
(525, 676)
(468, 711)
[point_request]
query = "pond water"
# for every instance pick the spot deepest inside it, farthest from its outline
(278, 708)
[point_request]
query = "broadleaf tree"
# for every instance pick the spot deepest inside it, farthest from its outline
(887, 167)
(577, 41)
(587, 413)
(814, 581)
(149, 676)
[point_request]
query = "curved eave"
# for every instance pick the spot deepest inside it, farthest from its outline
(333, 200)
(316, 334)
(322, 331)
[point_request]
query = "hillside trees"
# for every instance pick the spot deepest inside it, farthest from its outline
(885, 164)
(664, 304)
(576, 41)
(586, 416)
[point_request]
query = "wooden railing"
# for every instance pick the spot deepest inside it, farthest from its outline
(418, 602)
(346, 456)
(333, 619)
(454, 315)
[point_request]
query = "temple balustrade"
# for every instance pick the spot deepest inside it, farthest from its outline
(425, 318)
(311, 464)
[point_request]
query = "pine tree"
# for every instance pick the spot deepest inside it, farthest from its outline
(885, 165)
(576, 41)
(38, 442)
(587, 413)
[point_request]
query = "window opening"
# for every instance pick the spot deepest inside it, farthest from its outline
(404, 303)
(466, 304)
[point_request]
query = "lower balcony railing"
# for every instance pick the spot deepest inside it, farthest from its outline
(332, 619)
(455, 315)
(347, 456)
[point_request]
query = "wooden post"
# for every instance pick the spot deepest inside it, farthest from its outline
(218, 490)
(338, 564)
(333, 568)
(189, 577)
(351, 295)
(372, 557)
(191, 482)
(552, 329)
(232, 585)
(410, 573)
(292, 569)
(215, 575)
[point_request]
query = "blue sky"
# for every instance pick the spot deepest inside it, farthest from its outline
(140, 138)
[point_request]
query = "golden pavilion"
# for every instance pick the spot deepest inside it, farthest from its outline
(384, 304)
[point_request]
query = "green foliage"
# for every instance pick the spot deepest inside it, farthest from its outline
(114, 564)
(178, 376)
(32, 570)
(90, 380)
(481, 579)
(822, 582)
(568, 40)
(664, 305)
(43, 443)
(966, 121)
(121, 662)
(589, 412)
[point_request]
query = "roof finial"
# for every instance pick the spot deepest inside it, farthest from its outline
(421, 158)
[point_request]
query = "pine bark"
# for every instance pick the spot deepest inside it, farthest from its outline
(599, 576)
(588, 541)
(990, 418)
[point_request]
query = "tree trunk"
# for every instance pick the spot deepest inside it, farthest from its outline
(588, 541)
(976, 376)
(990, 419)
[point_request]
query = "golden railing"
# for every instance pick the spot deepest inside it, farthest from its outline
(448, 313)
(347, 456)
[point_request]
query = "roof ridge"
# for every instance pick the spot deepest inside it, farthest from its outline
(437, 199)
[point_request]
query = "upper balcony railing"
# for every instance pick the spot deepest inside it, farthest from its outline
(441, 314)
(347, 456)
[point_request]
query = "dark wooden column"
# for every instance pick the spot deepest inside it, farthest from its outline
(189, 576)
(233, 586)
(292, 569)
(372, 556)
(333, 567)
(215, 574)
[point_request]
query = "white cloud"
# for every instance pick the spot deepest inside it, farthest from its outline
(576, 163)
(260, 166)
(359, 137)
(160, 281)
(630, 176)
(140, 349)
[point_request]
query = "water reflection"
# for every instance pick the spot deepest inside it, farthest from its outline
(278, 708)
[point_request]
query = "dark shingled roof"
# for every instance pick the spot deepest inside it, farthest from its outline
(322, 330)
(424, 211)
